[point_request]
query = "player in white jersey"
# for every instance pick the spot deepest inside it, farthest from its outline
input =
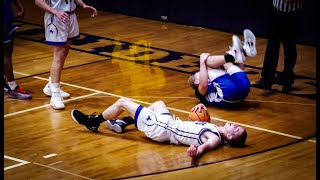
(158, 124)
(61, 26)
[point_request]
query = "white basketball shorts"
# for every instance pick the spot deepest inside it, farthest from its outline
(58, 33)
(153, 125)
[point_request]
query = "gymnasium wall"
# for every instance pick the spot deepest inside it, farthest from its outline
(225, 15)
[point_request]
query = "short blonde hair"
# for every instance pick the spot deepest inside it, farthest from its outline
(191, 81)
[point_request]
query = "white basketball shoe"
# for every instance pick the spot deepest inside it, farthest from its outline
(249, 45)
(56, 101)
(236, 50)
(48, 92)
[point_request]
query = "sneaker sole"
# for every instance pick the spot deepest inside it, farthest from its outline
(238, 42)
(57, 108)
(17, 97)
(112, 127)
(74, 119)
(239, 45)
(249, 36)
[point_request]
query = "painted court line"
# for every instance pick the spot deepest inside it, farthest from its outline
(49, 155)
(55, 163)
(22, 162)
(47, 105)
(174, 109)
(77, 175)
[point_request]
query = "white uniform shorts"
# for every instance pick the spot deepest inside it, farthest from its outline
(58, 33)
(154, 125)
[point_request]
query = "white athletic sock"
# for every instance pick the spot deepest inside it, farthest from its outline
(54, 87)
(12, 85)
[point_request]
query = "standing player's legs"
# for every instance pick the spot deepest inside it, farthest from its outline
(59, 56)
(58, 35)
(12, 88)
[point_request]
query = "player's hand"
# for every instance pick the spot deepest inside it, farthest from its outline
(199, 107)
(92, 10)
(63, 16)
(204, 57)
(192, 150)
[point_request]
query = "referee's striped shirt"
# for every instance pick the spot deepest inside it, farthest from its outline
(287, 5)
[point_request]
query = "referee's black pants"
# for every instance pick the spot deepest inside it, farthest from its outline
(284, 29)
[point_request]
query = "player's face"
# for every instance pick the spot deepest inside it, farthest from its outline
(234, 129)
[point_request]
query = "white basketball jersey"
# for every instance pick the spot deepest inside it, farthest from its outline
(63, 5)
(162, 127)
(189, 132)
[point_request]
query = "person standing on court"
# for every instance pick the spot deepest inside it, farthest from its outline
(284, 28)
(61, 26)
(10, 85)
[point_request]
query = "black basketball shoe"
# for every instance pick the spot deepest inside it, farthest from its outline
(90, 121)
(117, 125)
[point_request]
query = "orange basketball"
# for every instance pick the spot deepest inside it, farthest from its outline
(202, 116)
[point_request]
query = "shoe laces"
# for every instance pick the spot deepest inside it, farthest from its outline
(93, 121)
(92, 116)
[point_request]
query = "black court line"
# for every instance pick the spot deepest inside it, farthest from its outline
(172, 55)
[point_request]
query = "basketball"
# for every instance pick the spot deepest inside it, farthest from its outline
(202, 116)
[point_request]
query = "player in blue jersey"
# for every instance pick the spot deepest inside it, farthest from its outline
(159, 125)
(61, 26)
(221, 81)
(10, 85)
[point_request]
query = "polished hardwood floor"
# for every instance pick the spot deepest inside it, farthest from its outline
(149, 60)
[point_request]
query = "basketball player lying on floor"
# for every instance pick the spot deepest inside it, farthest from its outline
(221, 80)
(158, 124)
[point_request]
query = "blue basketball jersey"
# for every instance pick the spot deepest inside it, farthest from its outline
(226, 89)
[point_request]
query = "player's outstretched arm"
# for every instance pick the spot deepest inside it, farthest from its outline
(212, 142)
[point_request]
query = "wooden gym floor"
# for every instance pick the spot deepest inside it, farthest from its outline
(149, 60)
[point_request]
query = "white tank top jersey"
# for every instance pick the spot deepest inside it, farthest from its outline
(63, 5)
(162, 128)
(189, 132)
